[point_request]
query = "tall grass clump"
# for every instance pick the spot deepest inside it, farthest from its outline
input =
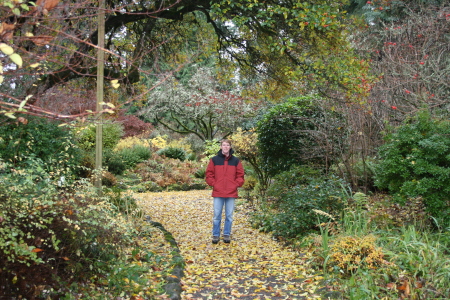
(355, 219)
(423, 261)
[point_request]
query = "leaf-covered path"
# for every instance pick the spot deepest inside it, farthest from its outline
(252, 266)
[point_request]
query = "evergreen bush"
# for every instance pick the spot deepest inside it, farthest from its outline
(298, 132)
(415, 161)
(124, 159)
(172, 152)
(134, 155)
(86, 136)
(42, 139)
(114, 162)
(292, 199)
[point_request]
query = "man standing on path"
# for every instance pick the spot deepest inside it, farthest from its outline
(225, 174)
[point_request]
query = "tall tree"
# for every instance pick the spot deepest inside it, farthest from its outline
(288, 41)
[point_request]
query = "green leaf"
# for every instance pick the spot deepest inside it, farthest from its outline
(16, 11)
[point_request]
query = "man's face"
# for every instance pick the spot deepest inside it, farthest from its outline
(225, 147)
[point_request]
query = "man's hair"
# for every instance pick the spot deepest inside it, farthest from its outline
(225, 141)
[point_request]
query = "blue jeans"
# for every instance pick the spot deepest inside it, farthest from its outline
(219, 202)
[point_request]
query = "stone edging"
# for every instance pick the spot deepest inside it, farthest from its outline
(173, 286)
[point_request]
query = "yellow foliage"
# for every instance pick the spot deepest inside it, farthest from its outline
(244, 142)
(130, 142)
(159, 142)
(182, 144)
(350, 253)
(250, 183)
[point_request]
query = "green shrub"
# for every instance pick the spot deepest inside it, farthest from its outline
(297, 175)
(117, 162)
(114, 162)
(42, 139)
(86, 136)
(298, 132)
(198, 185)
(178, 187)
(147, 186)
(415, 161)
(191, 157)
(290, 213)
(171, 152)
(86, 139)
(134, 155)
(210, 149)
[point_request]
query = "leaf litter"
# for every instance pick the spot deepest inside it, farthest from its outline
(253, 266)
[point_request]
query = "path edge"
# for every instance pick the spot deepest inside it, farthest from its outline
(173, 281)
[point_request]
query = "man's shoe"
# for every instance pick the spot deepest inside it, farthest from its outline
(215, 239)
(226, 239)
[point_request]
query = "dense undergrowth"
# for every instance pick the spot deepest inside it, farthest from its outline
(370, 247)
(67, 242)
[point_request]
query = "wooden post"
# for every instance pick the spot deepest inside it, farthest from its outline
(100, 86)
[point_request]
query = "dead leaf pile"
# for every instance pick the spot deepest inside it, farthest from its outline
(252, 266)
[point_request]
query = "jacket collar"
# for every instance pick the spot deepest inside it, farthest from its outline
(219, 153)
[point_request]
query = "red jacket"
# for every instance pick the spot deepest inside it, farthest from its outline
(225, 175)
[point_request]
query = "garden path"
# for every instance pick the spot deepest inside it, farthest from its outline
(253, 266)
